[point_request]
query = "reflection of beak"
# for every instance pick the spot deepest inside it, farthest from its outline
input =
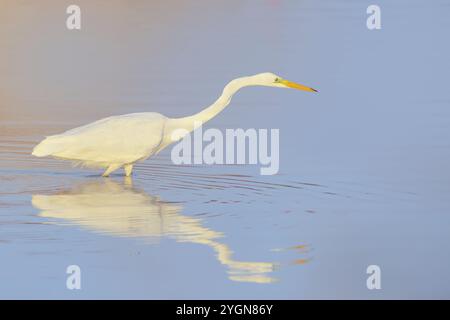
(297, 86)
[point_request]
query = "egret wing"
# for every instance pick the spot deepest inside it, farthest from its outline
(118, 139)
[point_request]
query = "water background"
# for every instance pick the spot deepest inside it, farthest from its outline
(365, 164)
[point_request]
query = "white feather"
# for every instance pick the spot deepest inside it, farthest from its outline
(122, 140)
(134, 135)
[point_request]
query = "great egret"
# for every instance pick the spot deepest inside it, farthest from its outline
(120, 141)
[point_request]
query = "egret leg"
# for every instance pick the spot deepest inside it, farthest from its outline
(128, 169)
(111, 169)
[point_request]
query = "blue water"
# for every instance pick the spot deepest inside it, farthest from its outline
(365, 164)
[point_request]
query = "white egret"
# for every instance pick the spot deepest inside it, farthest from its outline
(120, 141)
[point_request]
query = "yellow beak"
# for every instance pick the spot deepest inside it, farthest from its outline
(297, 86)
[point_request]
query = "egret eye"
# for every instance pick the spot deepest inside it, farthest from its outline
(277, 79)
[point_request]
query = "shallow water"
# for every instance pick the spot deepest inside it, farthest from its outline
(364, 175)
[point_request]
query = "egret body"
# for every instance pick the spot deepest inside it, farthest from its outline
(121, 141)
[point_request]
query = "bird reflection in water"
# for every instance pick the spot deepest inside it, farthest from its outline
(122, 210)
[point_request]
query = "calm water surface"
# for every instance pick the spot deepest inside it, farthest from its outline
(365, 164)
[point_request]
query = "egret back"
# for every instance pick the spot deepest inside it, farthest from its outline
(115, 140)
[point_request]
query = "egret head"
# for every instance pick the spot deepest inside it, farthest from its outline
(269, 79)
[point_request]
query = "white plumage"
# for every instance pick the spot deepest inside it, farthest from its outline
(120, 141)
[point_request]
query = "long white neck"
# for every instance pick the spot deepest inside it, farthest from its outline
(191, 122)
